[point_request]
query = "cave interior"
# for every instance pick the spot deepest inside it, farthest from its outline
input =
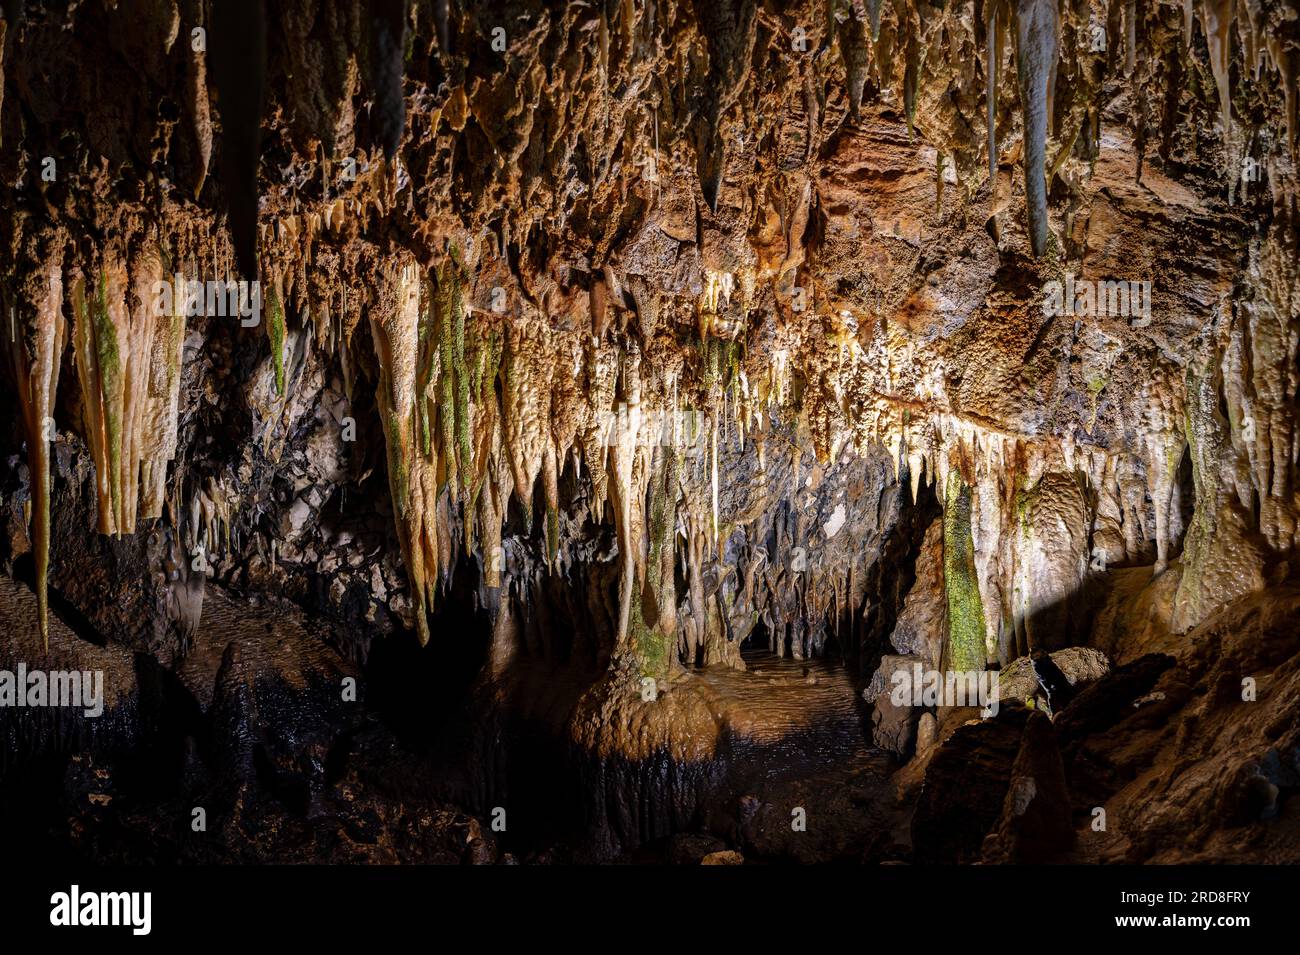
(548, 432)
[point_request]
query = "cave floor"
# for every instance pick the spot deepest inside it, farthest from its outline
(803, 780)
(791, 775)
(795, 716)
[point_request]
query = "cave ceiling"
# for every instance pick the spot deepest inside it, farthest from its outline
(658, 322)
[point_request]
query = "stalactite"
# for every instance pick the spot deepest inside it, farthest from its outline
(35, 354)
(1037, 29)
(1216, 18)
(275, 329)
(526, 407)
(161, 416)
(853, 47)
(1287, 63)
(452, 378)
(4, 30)
(98, 348)
(911, 78)
(992, 65)
(874, 8)
(389, 34)
(731, 28)
(605, 276)
(196, 99)
(484, 363)
(398, 326)
(1130, 36)
(127, 346)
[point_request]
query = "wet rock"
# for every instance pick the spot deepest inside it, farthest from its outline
(116, 711)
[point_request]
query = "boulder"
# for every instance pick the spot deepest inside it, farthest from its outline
(893, 728)
(1080, 666)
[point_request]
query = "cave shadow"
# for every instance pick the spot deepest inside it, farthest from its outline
(416, 691)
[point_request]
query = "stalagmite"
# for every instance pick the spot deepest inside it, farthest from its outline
(655, 637)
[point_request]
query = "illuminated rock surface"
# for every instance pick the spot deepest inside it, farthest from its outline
(628, 381)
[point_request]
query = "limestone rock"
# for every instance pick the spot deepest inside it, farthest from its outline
(893, 726)
(1080, 665)
(1035, 826)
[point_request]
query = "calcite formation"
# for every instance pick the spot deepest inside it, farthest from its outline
(605, 282)
(128, 347)
(647, 329)
(34, 362)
